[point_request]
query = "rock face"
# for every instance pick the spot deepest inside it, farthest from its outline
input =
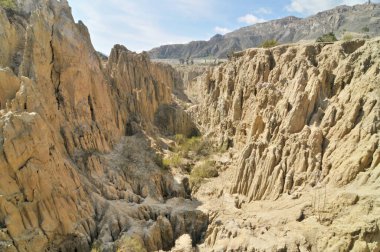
(286, 30)
(64, 119)
(300, 114)
(81, 139)
(302, 123)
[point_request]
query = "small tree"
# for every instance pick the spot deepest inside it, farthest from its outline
(269, 43)
(365, 29)
(348, 37)
(8, 4)
(327, 38)
(230, 54)
(129, 244)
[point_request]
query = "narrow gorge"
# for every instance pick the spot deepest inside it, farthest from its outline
(84, 143)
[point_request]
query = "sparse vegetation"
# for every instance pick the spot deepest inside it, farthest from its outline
(195, 145)
(365, 29)
(8, 4)
(173, 160)
(198, 150)
(269, 43)
(179, 139)
(161, 162)
(194, 148)
(200, 172)
(96, 246)
(230, 55)
(327, 38)
(348, 37)
(129, 244)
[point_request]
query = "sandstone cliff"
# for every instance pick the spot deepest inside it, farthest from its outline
(297, 119)
(304, 114)
(74, 147)
(82, 137)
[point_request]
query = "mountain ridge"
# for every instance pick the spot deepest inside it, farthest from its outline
(286, 30)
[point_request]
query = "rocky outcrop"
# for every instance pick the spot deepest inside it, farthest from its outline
(301, 115)
(286, 30)
(66, 122)
(301, 124)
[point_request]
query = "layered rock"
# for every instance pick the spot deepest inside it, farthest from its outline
(63, 119)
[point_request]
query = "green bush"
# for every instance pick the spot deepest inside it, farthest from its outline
(179, 139)
(129, 244)
(173, 160)
(348, 37)
(191, 144)
(365, 29)
(327, 38)
(8, 4)
(161, 162)
(200, 172)
(96, 246)
(269, 43)
(195, 144)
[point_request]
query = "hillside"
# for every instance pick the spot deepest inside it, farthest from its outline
(285, 30)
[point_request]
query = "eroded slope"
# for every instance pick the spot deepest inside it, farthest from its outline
(67, 121)
(300, 121)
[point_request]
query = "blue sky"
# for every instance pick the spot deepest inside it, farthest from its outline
(144, 24)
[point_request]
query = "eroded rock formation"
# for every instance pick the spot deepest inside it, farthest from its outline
(81, 136)
(74, 148)
(301, 121)
(300, 114)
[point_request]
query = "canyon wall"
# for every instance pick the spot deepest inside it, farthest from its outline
(296, 115)
(64, 118)
(81, 138)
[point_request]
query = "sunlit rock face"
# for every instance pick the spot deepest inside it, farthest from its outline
(81, 139)
(301, 125)
(299, 114)
(64, 119)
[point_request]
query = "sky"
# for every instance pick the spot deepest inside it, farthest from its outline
(144, 24)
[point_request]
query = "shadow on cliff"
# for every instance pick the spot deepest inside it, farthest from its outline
(137, 195)
(171, 119)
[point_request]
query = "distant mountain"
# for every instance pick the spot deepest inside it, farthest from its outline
(286, 30)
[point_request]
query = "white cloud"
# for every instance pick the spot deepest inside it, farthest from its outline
(222, 30)
(264, 11)
(250, 19)
(313, 6)
(131, 23)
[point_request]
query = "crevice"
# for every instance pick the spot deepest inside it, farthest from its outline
(65, 140)
(23, 166)
(325, 144)
(91, 108)
(272, 62)
(58, 95)
(360, 114)
(55, 76)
